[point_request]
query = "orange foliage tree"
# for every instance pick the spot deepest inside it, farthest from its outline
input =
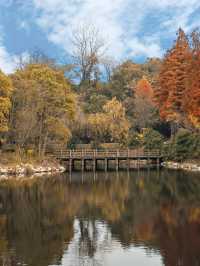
(173, 81)
(144, 89)
(191, 101)
(144, 106)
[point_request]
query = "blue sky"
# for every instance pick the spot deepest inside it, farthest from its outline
(132, 29)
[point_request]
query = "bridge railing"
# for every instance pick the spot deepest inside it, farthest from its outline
(122, 153)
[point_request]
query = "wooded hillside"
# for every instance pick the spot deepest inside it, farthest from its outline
(96, 100)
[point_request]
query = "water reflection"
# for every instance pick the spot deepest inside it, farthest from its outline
(138, 218)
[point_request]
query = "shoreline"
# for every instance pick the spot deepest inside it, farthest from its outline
(186, 166)
(28, 169)
(50, 168)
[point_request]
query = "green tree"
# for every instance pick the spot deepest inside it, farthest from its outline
(152, 139)
(95, 103)
(185, 145)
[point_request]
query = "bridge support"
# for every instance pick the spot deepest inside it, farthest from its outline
(70, 165)
(128, 163)
(94, 165)
(106, 164)
(158, 163)
(117, 164)
(88, 159)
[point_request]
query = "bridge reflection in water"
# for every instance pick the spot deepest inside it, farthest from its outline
(132, 218)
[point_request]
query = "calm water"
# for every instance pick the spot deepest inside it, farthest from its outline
(138, 218)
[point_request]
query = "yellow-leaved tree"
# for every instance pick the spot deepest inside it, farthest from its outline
(5, 102)
(111, 125)
(99, 127)
(118, 123)
(43, 107)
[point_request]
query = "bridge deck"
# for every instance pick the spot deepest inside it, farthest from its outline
(106, 154)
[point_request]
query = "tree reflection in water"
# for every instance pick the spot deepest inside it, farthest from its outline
(80, 221)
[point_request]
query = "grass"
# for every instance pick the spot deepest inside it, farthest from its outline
(14, 158)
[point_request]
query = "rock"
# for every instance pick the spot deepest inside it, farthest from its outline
(183, 166)
(29, 169)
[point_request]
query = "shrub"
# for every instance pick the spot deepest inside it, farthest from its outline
(186, 145)
(152, 139)
(134, 140)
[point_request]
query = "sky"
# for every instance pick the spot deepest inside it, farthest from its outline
(132, 29)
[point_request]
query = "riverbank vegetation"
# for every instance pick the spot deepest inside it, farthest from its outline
(93, 100)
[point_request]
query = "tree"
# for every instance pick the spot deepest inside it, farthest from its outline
(144, 106)
(118, 123)
(43, 106)
(35, 57)
(186, 145)
(191, 100)
(98, 127)
(172, 81)
(152, 139)
(88, 49)
(111, 124)
(5, 102)
(94, 103)
(123, 80)
(109, 65)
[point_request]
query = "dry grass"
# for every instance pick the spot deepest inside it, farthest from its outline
(14, 158)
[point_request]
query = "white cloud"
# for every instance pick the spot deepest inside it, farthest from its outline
(120, 21)
(7, 61)
(148, 48)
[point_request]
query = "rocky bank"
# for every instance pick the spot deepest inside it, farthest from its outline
(188, 166)
(25, 169)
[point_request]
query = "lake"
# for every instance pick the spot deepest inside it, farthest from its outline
(142, 218)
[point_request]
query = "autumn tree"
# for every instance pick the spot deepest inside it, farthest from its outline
(98, 127)
(144, 106)
(116, 116)
(124, 78)
(95, 103)
(172, 81)
(112, 124)
(5, 102)
(191, 99)
(43, 106)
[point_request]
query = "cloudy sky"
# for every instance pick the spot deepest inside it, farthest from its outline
(134, 29)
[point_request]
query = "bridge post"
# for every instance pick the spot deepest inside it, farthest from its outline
(117, 164)
(82, 164)
(138, 163)
(70, 165)
(106, 164)
(73, 164)
(148, 159)
(158, 163)
(128, 160)
(94, 164)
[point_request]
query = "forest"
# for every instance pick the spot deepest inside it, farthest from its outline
(94, 100)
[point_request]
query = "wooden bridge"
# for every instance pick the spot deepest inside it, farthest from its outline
(130, 158)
